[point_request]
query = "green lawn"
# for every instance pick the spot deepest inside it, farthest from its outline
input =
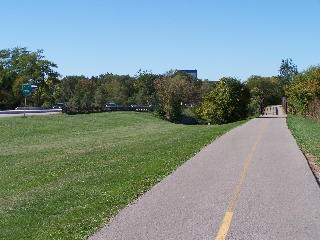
(307, 134)
(62, 176)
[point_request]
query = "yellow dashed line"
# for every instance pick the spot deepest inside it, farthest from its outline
(225, 225)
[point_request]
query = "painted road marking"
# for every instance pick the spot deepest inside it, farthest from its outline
(225, 225)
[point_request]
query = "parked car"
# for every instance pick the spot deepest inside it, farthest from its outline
(59, 106)
(111, 105)
(135, 106)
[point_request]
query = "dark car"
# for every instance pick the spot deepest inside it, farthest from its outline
(60, 106)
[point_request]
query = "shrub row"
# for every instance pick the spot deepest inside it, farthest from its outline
(302, 91)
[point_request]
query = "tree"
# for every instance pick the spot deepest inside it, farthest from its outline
(303, 89)
(206, 87)
(65, 89)
(144, 88)
(19, 66)
(227, 102)
(268, 88)
(287, 71)
(100, 97)
(10, 76)
(172, 92)
(83, 96)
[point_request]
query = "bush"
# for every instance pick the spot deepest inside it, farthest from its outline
(227, 102)
(172, 93)
(302, 90)
(47, 104)
(254, 106)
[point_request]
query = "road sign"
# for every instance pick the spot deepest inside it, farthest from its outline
(26, 89)
(26, 92)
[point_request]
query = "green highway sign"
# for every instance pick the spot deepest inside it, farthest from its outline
(26, 89)
(26, 92)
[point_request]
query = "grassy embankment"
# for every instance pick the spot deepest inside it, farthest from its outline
(307, 135)
(61, 177)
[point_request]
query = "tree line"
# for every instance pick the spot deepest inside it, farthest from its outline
(173, 94)
(303, 93)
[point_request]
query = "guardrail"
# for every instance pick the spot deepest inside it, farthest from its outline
(19, 111)
(30, 108)
(77, 110)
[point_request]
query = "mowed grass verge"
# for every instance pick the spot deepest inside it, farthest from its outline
(307, 135)
(63, 177)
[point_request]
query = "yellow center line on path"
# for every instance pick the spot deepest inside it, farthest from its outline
(225, 224)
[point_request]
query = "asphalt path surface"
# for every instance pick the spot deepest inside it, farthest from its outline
(251, 183)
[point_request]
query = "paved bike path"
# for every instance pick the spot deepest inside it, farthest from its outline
(251, 183)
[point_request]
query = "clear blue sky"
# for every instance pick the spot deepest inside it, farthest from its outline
(235, 38)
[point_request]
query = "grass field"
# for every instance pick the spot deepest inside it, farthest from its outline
(62, 176)
(307, 134)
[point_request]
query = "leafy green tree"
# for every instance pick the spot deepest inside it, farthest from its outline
(65, 89)
(227, 102)
(268, 88)
(144, 88)
(117, 91)
(100, 97)
(302, 90)
(206, 87)
(19, 66)
(118, 88)
(83, 96)
(35, 69)
(287, 71)
(9, 76)
(172, 93)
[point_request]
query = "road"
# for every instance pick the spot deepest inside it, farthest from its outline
(251, 183)
(19, 113)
